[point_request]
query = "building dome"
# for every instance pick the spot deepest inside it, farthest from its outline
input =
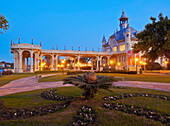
(123, 16)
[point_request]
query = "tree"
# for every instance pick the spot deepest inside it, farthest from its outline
(154, 40)
(4, 25)
(90, 83)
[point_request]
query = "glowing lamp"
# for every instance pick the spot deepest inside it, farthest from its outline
(118, 63)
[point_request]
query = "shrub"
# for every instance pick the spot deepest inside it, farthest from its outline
(48, 71)
(153, 66)
(90, 83)
(117, 71)
(7, 72)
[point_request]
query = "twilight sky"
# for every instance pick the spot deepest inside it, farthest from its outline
(72, 22)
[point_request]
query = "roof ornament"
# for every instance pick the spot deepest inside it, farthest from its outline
(32, 41)
(123, 11)
(19, 40)
(40, 43)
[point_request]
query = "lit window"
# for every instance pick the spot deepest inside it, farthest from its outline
(115, 49)
(122, 47)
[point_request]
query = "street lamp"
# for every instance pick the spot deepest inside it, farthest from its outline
(118, 64)
(111, 61)
(166, 62)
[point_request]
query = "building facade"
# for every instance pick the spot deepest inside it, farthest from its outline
(122, 41)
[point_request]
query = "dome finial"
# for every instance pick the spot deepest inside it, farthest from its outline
(123, 11)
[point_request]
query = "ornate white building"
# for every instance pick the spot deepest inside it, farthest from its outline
(122, 41)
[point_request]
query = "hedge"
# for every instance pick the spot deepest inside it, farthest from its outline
(48, 71)
(7, 72)
(104, 71)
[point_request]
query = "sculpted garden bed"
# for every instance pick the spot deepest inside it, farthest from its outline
(93, 108)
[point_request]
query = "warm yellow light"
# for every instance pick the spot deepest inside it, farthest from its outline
(104, 64)
(58, 65)
(111, 61)
(136, 59)
(62, 61)
(72, 58)
(68, 64)
(118, 63)
(141, 62)
(144, 63)
(166, 62)
(43, 64)
(62, 65)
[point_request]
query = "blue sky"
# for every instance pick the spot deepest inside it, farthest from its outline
(72, 22)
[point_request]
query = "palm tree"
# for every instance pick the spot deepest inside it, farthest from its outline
(3, 23)
(90, 83)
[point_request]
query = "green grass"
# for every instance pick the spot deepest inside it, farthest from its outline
(105, 117)
(8, 78)
(128, 77)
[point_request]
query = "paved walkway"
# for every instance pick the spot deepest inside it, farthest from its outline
(31, 83)
(28, 84)
(149, 85)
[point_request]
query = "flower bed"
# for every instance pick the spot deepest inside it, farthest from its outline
(154, 115)
(123, 96)
(86, 116)
(49, 95)
(7, 114)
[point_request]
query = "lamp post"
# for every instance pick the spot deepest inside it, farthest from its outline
(136, 59)
(111, 62)
(62, 66)
(118, 64)
(144, 63)
(166, 62)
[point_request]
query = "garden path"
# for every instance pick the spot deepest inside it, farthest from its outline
(31, 83)
(28, 84)
(141, 84)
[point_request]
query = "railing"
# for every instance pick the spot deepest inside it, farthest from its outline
(25, 45)
(76, 52)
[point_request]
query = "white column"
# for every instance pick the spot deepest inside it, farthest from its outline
(108, 60)
(52, 62)
(97, 64)
(31, 70)
(74, 63)
(101, 63)
(78, 62)
(20, 62)
(56, 62)
(14, 62)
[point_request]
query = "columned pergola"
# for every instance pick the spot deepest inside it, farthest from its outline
(29, 57)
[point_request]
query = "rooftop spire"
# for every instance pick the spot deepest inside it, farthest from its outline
(104, 39)
(123, 11)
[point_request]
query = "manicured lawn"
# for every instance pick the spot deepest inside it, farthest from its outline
(8, 78)
(105, 117)
(128, 77)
